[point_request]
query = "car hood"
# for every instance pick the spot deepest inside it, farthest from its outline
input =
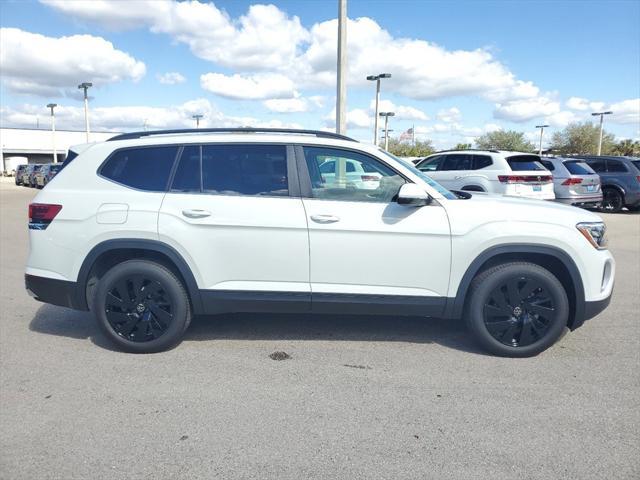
(484, 208)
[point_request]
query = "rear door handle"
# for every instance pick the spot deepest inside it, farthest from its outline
(325, 218)
(196, 213)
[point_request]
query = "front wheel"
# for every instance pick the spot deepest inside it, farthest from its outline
(141, 306)
(517, 309)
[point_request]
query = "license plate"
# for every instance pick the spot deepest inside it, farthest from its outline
(537, 188)
(591, 188)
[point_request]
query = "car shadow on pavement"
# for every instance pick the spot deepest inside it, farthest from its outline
(64, 322)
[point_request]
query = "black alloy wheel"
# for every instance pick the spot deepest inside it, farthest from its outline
(138, 308)
(612, 200)
(516, 309)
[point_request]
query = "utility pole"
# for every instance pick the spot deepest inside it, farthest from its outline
(197, 118)
(85, 86)
(386, 116)
(341, 94)
(541, 127)
(602, 114)
(53, 131)
(377, 80)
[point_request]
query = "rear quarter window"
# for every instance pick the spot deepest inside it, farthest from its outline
(548, 165)
(141, 168)
(481, 161)
(521, 163)
(616, 166)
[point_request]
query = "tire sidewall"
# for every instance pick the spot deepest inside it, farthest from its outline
(617, 196)
(169, 283)
(475, 312)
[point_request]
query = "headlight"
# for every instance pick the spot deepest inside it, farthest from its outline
(595, 233)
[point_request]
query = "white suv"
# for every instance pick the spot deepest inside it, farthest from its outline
(150, 228)
(493, 171)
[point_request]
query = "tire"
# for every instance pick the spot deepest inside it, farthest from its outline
(141, 306)
(612, 200)
(516, 309)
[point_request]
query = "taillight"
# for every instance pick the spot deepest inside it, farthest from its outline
(369, 178)
(525, 178)
(638, 178)
(572, 181)
(42, 214)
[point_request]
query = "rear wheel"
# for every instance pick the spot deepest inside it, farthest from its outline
(517, 309)
(141, 306)
(612, 200)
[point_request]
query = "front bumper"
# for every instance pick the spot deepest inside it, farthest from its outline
(591, 309)
(56, 292)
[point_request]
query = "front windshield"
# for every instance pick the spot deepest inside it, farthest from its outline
(428, 180)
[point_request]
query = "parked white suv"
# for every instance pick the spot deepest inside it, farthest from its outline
(148, 229)
(493, 171)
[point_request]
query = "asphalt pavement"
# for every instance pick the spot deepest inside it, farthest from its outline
(359, 398)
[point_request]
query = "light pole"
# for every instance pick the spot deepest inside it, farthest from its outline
(53, 131)
(377, 80)
(85, 86)
(541, 127)
(341, 94)
(197, 118)
(386, 116)
(602, 114)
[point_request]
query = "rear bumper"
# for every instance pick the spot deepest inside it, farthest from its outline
(580, 200)
(56, 292)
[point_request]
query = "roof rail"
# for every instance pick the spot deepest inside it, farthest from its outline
(492, 150)
(317, 133)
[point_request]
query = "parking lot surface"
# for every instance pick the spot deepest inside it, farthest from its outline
(359, 398)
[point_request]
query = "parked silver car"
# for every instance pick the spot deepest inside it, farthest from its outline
(574, 182)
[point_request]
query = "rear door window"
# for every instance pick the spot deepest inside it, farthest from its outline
(579, 168)
(616, 166)
(141, 168)
(521, 163)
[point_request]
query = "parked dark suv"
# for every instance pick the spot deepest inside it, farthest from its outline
(620, 178)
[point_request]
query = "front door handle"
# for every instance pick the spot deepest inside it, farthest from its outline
(325, 218)
(196, 213)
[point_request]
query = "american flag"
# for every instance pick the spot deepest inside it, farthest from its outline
(408, 135)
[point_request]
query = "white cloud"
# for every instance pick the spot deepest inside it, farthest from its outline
(626, 111)
(583, 104)
(123, 118)
(47, 66)
(287, 105)
(254, 87)
(171, 78)
(356, 118)
(526, 109)
(449, 115)
(402, 112)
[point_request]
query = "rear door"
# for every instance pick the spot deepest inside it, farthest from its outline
(366, 248)
(234, 212)
(454, 170)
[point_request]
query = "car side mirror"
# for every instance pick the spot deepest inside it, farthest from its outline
(412, 195)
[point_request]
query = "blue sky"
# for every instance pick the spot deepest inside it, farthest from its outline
(460, 68)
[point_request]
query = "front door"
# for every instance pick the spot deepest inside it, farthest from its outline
(365, 247)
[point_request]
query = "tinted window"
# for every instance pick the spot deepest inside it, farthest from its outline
(141, 168)
(616, 166)
(579, 168)
(187, 176)
(430, 164)
(520, 163)
(380, 184)
(481, 161)
(456, 162)
(548, 165)
(598, 165)
(636, 163)
(245, 169)
(55, 168)
(330, 167)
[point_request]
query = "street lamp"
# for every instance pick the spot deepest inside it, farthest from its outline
(197, 118)
(85, 86)
(602, 114)
(53, 131)
(341, 70)
(377, 80)
(541, 127)
(386, 116)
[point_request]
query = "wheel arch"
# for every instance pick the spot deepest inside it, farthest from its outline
(553, 259)
(111, 252)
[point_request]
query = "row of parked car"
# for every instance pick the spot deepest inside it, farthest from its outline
(36, 175)
(609, 183)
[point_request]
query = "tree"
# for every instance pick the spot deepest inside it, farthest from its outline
(463, 146)
(627, 148)
(505, 140)
(581, 138)
(422, 148)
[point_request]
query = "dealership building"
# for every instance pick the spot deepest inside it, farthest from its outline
(34, 145)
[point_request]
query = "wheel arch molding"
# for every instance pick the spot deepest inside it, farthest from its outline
(126, 249)
(554, 259)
